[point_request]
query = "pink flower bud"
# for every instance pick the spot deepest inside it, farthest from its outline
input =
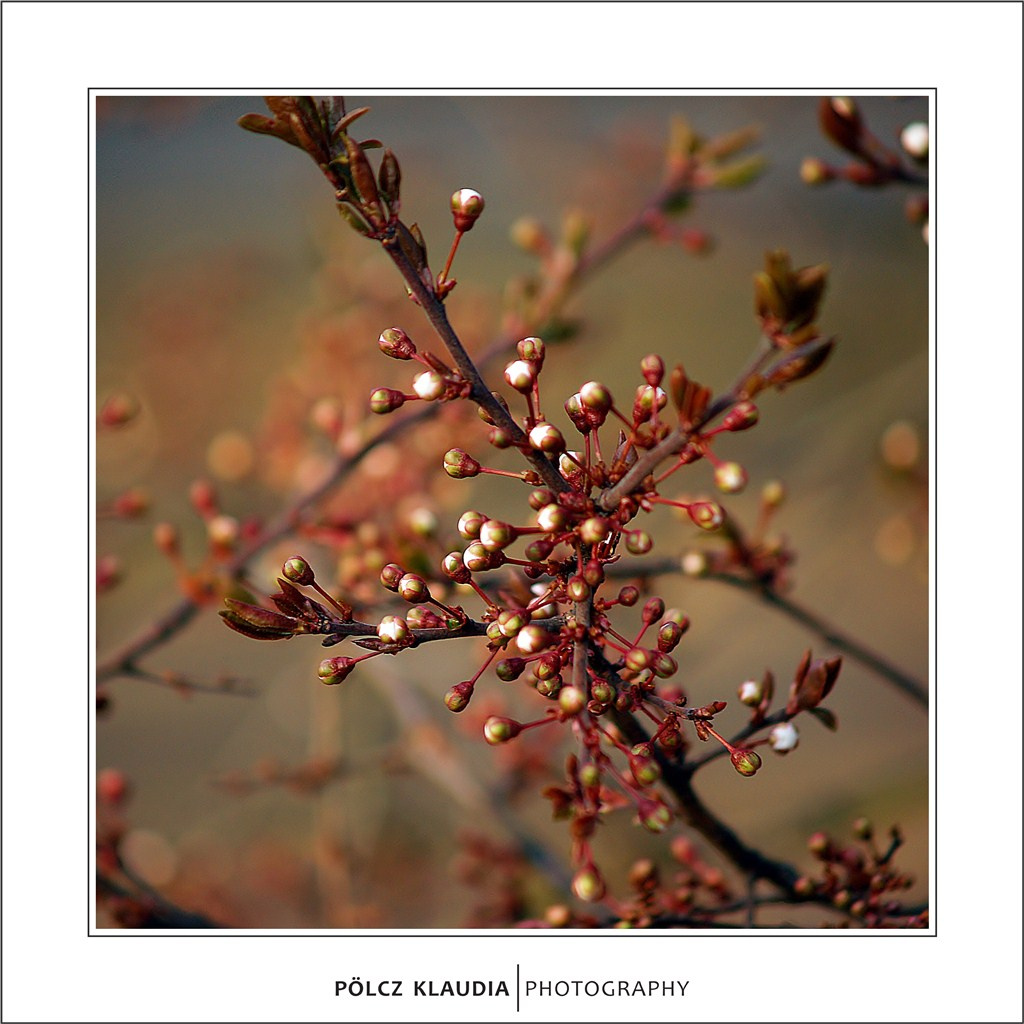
(730, 477)
(532, 639)
(552, 518)
(413, 588)
(297, 570)
(751, 692)
(571, 700)
(653, 369)
(335, 670)
(467, 204)
(546, 437)
(385, 400)
(496, 535)
(708, 515)
(394, 342)
(741, 416)
(746, 762)
(454, 568)
(595, 397)
(521, 375)
(458, 696)
(499, 730)
(393, 629)
(532, 350)
(459, 465)
(588, 885)
(784, 738)
(428, 385)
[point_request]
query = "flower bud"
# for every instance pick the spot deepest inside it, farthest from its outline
(664, 665)
(730, 477)
(457, 697)
(510, 669)
(639, 542)
(532, 639)
(567, 465)
(476, 557)
(746, 762)
(413, 588)
(552, 518)
(863, 829)
(223, 531)
(653, 610)
(820, 845)
(538, 550)
(529, 234)
(773, 494)
(385, 400)
(467, 204)
(421, 617)
(498, 729)
(521, 375)
(428, 385)
(165, 536)
(459, 465)
(815, 172)
(548, 667)
(694, 563)
(577, 589)
(594, 530)
(784, 737)
(669, 636)
(394, 342)
(393, 629)
(581, 419)
(454, 568)
(648, 400)
(588, 885)
(112, 786)
(297, 570)
(500, 438)
(540, 497)
(532, 350)
(653, 369)
(496, 535)
(335, 670)
(645, 769)
(638, 658)
(572, 700)
(390, 576)
(751, 692)
(511, 620)
(654, 815)
(628, 596)
(118, 409)
(595, 397)
(546, 437)
(741, 416)
(914, 140)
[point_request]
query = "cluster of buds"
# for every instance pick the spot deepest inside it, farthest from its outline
(860, 878)
(225, 535)
(436, 382)
(874, 164)
(554, 627)
(550, 605)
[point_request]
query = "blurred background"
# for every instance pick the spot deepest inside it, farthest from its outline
(240, 314)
